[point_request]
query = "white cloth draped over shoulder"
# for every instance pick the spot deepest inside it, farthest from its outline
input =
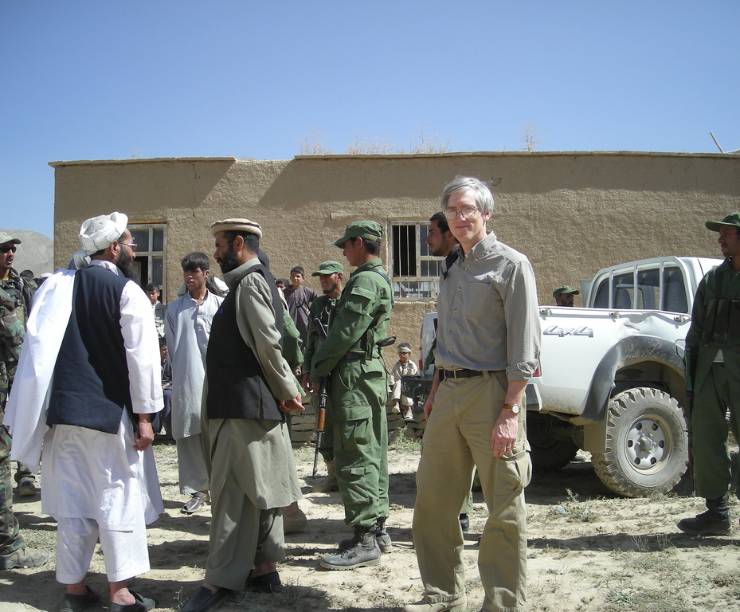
(87, 473)
(187, 329)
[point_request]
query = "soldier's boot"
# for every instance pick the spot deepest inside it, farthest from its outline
(363, 553)
(329, 483)
(715, 521)
(385, 544)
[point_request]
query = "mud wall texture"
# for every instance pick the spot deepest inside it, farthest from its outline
(571, 213)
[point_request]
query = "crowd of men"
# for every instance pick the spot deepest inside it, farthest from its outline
(88, 382)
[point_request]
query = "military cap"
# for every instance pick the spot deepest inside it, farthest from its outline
(731, 220)
(369, 230)
(236, 225)
(6, 238)
(565, 290)
(404, 347)
(328, 267)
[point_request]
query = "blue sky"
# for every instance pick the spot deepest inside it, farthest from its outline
(141, 78)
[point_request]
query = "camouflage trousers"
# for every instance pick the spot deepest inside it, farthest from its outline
(10, 539)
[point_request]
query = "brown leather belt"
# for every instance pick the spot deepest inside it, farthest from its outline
(461, 373)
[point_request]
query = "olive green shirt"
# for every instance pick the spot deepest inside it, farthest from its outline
(360, 320)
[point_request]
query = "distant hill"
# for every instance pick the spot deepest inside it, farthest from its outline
(36, 252)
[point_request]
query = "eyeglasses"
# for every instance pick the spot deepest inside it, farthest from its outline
(464, 212)
(8, 247)
(131, 245)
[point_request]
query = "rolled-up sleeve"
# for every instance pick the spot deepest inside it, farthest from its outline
(522, 323)
(141, 343)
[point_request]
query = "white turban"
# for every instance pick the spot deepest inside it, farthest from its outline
(99, 232)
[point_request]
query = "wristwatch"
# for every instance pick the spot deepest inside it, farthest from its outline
(515, 408)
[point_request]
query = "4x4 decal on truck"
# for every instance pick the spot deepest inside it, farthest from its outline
(557, 330)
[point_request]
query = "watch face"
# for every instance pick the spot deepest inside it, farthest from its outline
(515, 408)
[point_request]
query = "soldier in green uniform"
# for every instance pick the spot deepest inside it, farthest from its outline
(331, 277)
(358, 392)
(713, 377)
(13, 303)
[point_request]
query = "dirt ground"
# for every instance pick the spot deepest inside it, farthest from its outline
(588, 550)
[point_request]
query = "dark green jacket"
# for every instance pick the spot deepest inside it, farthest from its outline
(361, 319)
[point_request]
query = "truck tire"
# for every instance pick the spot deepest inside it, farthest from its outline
(646, 448)
(552, 447)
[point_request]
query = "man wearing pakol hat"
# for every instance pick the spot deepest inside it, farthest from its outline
(91, 350)
(403, 367)
(564, 295)
(248, 390)
(713, 380)
(331, 278)
(16, 296)
(14, 305)
(358, 391)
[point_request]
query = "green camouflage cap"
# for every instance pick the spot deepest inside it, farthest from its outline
(369, 230)
(565, 290)
(6, 238)
(328, 267)
(731, 220)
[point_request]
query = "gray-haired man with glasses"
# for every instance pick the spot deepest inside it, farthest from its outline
(488, 345)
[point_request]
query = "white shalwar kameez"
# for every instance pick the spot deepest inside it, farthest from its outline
(96, 484)
(187, 329)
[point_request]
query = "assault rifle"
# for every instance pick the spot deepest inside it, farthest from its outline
(321, 413)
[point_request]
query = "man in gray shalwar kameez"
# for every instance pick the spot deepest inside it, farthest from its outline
(249, 388)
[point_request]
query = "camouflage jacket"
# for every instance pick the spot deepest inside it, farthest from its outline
(15, 303)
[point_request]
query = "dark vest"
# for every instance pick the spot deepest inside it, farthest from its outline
(236, 385)
(90, 387)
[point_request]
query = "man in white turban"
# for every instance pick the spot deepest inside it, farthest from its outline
(88, 384)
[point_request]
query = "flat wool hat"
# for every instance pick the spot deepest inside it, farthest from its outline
(731, 220)
(565, 290)
(328, 267)
(369, 230)
(6, 238)
(237, 225)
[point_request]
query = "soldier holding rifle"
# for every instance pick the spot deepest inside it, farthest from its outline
(358, 391)
(331, 277)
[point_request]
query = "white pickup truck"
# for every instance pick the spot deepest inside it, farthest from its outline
(612, 378)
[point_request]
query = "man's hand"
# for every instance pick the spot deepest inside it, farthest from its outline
(292, 406)
(428, 405)
(145, 435)
(307, 384)
(503, 436)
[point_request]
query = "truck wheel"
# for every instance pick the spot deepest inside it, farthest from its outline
(552, 447)
(646, 448)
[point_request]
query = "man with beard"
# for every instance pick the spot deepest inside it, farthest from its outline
(92, 349)
(713, 379)
(331, 277)
(564, 295)
(249, 389)
(187, 328)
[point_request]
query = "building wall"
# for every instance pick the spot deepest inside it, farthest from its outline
(571, 213)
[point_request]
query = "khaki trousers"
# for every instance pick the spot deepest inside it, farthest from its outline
(456, 439)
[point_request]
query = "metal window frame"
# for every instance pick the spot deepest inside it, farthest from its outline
(418, 259)
(149, 253)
